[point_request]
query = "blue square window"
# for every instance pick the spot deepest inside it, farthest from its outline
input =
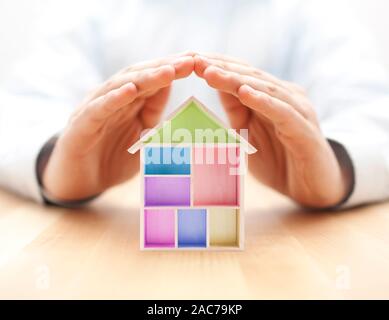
(192, 228)
(167, 161)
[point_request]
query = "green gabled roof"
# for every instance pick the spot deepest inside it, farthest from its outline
(191, 123)
(199, 127)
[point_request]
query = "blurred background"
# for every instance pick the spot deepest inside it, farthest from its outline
(20, 25)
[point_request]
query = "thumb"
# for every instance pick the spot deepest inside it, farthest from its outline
(154, 107)
(237, 113)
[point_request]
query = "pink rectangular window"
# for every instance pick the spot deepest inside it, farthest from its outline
(215, 177)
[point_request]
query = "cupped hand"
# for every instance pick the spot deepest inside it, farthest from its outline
(90, 155)
(294, 157)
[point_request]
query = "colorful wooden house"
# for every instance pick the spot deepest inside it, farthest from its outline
(192, 171)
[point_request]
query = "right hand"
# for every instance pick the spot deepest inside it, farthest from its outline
(294, 156)
(90, 155)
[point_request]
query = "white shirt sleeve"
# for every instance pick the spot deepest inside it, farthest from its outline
(324, 50)
(334, 58)
(38, 98)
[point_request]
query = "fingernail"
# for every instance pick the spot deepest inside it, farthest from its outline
(205, 59)
(249, 89)
(219, 70)
(129, 86)
(180, 61)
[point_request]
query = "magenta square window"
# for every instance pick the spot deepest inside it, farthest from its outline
(159, 228)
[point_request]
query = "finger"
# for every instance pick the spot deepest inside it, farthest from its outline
(237, 113)
(99, 110)
(221, 57)
(285, 118)
(145, 80)
(230, 82)
(182, 62)
(153, 108)
(125, 115)
(222, 80)
(202, 63)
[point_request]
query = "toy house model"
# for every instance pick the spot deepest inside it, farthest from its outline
(192, 170)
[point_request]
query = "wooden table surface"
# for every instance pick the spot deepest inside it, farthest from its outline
(94, 253)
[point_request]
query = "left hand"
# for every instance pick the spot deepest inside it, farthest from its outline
(90, 155)
(294, 157)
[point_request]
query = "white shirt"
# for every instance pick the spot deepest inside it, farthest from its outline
(313, 43)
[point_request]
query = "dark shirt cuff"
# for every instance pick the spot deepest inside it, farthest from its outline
(42, 160)
(347, 168)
